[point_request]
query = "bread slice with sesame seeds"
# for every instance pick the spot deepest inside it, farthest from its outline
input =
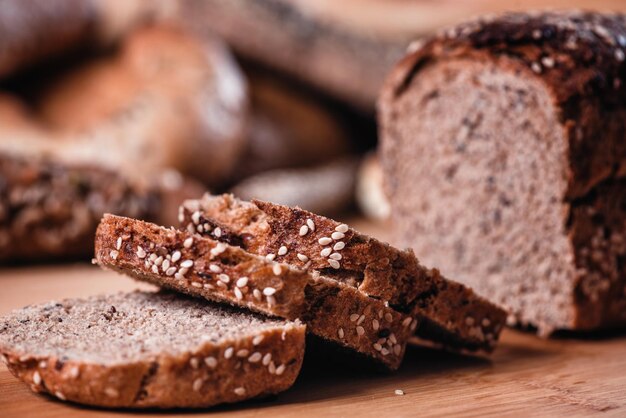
(450, 313)
(199, 266)
(145, 349)
(211, 269)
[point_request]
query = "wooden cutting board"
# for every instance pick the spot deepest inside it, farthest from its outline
(526, 376)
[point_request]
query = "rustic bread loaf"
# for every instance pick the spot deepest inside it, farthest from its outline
(503, 146)
(204, 267)
(169, 97)
(144, 349)
(451, 312)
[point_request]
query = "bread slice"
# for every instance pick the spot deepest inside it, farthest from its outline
(147, 349)
(199, 266)
(516, 185)
(221, 272)
(451, 312)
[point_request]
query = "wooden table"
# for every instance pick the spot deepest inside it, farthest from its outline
(526, 376)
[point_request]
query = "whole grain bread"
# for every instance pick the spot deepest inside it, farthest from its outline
(50, 209)
(373, 269)
(144, 349)
(514, 185)
(204, 267)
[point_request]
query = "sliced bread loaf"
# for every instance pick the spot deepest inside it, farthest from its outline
(147, 349)
(453, 314)
(204, 267)
(515, 185)
(199, 266)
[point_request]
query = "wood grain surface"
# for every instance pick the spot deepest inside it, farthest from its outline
(526, 376)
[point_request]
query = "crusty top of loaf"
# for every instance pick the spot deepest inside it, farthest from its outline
(580, 56)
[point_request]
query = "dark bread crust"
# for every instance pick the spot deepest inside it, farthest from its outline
(230, 263)
(373, 268)
(579, 57)
(166, 380)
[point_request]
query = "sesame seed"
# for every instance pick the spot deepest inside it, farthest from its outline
(486, 322)
(165, 265)
(325, 252)
(188, 242)
(257, 294)
(303, 258)
(194, 363)
(360, 330)
(238, 293)
(339, 246)
(397, 349)
(407, 321)
(211, 362)
(118, 244)
(257, 340)
(361, 319)
(225, 278)
(375, 324)
(218, 249)
(195, 217)
(255, 357)
(242, 282)
(170, 271)
(384, 351)
(269, 291)
(179, 276)
(414, 325)
(354, 317)
(59, 395)
(36, 378)
(111, 392)
(266, 359)
(271, 368)
(187, 264)
(399, 392)
(337, 235)
(183, 270)
(392, 338)
(181, 215)
(176, 256)
(207, 285)
(280, 369)
(240, 391)
(221, 284)
(547, 62)
(343, 228)
(114, 254)
(277, 269)
(197, 384)
(271, 300)
(536, 34)
(388, 317)
(42, 364)
(303, 230)
(155, 269)
(334, 264)
(377, 347)
(158, 261)
(536, 67)
(141, 253)
(340, 333)
(335, 256)
(271, 256)
(153, 257)
(215, 268)
(324, 241)
(282, 250)
(228, 353)
(310, 224)
(196, 284)
(217, 232)
(243, 353)
(199, 228)
(619, 55)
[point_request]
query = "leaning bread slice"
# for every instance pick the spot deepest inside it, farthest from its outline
(451, 313)
(204, 267)
(148, 349)
(199, 266)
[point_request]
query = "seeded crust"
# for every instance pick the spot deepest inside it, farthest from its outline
(199, 266)
(147, 350)
(573, 63)
(374, 269)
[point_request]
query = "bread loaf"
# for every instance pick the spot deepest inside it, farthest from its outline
(503, 148)
(149, 350)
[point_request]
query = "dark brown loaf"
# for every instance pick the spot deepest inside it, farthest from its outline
(512, 185)
(452, 312)
(147, 350)
(220, 272)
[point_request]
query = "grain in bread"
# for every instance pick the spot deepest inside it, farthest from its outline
(149, 350)
(513, 186)
(373, 269)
